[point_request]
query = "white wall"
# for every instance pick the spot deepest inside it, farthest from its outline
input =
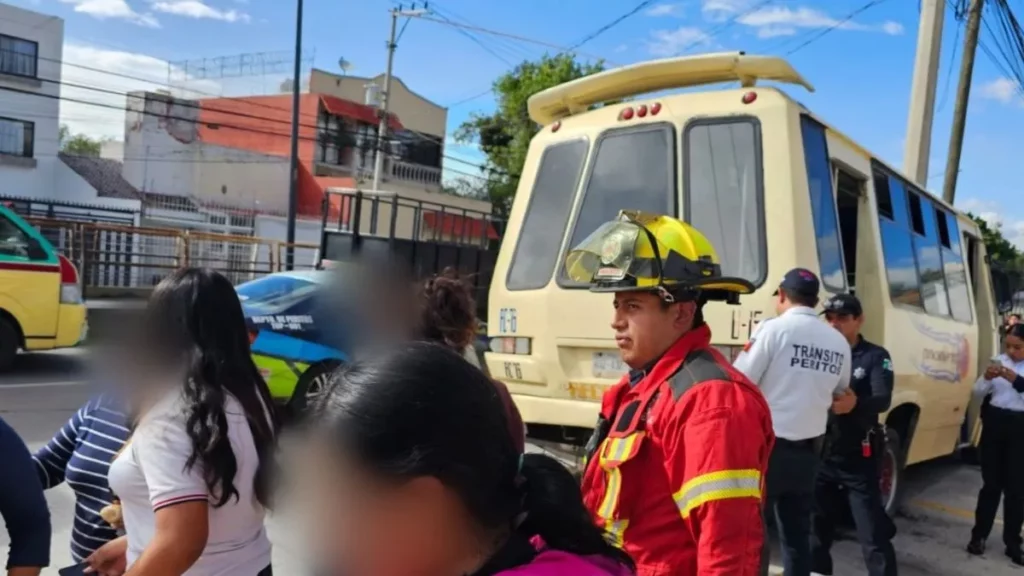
(276, 228)
(74, 188)
(39, 105)
(241, 178)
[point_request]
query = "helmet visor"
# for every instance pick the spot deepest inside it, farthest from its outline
(617, 252)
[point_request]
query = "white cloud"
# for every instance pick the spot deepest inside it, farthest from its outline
(1003, 90)
(1011, 227)
(665, 10)
(717, 10)
(104, 118)
(621, 48)
(198, 10)
(117, 9)
(775, 31)
(785, 17)
(672, 42)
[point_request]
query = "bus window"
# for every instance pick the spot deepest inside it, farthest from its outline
(823, 208)
(724, 192)
(547, 216)
(897, 244)
(632, 169)
(929, 260)
(953, 265)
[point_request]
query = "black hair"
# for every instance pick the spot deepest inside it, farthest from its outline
(1017, 331)
(447, 310)
(194, 318)
(421, 410)
(809, 300)
(1014, 315)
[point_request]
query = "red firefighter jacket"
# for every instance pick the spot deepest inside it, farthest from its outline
(677, 479)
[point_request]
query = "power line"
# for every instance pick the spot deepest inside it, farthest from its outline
(500, 34)
(610, 25)
(834, 26)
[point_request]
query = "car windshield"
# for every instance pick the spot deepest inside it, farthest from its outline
(273, 294)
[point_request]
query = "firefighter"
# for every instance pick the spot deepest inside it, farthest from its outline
(674, 469)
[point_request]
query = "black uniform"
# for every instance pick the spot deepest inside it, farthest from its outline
(849, 464)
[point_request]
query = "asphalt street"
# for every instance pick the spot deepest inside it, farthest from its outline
(43, 390)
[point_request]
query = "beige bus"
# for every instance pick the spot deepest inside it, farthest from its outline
(773, 187)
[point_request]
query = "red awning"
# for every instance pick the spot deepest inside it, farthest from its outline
(356, 111)
(455, 226)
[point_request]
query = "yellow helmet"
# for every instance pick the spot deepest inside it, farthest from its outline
(658, 253)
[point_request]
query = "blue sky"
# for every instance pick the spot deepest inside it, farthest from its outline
(861, 69)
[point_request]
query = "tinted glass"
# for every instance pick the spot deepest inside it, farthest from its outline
(823, 207)
(956, 284)
(724, 198)
(898, 195)
(954, 233)
(900, 267)
(632, 170)
(547, 216)
(933, 278)
(13, 240)
(273, 294)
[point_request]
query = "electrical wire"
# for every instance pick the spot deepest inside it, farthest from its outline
(842, 22)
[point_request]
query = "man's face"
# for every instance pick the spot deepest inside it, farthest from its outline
(1013, 320)
(847, 324)
(645, 328)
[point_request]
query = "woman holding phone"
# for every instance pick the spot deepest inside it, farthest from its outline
(1002, 449)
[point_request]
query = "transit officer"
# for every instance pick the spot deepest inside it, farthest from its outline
(674, 469)
(853, 447)
(803, 368)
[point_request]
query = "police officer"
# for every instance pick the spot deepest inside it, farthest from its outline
(854, 444)
(803, 368)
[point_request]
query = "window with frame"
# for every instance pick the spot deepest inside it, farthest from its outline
(13, 240)
(897, 241)
(17, 137)
(823, 205)
(632, 169)
(724, 192)
(547, 216)
(19, 57)
(929, 261)
(953, 266)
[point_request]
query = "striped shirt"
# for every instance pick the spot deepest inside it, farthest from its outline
(80, 454)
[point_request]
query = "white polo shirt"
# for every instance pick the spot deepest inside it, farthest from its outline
(150, 474)
(1003, 394)
(799, 362)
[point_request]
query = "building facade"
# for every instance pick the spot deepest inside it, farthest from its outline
(31, 49)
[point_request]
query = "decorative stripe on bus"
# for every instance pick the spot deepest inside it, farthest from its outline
(29, 267)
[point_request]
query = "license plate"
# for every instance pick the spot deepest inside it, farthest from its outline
(608, 365)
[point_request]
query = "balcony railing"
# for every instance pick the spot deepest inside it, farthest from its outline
(394, 170)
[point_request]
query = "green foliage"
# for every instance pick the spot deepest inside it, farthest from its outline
(78, 144)
(504, 136)
(999, 249)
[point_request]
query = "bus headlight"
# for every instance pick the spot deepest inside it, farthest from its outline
(511, 345)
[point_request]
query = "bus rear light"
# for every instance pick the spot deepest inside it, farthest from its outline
(749, 97)
(509, 345)
(556, 126)
(641, 111)
(655, 108)
(70, 291)
(626, 114)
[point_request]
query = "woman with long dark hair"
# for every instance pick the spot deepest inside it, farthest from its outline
(414, 473)
(194, 478)
(1002, 449)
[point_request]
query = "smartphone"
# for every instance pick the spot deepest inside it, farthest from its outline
(76, 570)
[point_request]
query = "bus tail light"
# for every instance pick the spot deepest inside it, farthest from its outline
(70, 291)
(556, 126)
(626, 114)
(641, 111)
(749, 97)
(511, 345)
(731, 353)
(655, 108)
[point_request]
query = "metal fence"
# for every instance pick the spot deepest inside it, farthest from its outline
(119, 256)
(1008, 283)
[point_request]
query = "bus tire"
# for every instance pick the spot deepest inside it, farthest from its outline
(312, 383)
(9, 344)
(891, 478)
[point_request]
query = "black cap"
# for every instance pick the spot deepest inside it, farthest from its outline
(800, 281)
(846, 304)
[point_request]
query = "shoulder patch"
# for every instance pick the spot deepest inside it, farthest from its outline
(887, 365)
(748, 345)
(699, 366)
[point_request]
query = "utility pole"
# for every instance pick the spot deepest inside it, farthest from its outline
(293, 172)
(917, 148)
(385, 96)
(963, 94)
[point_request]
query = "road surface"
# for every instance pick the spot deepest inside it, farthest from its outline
(44, 389)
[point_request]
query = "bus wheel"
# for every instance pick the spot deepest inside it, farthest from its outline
(9, 344)
(311, 385)
(891, 470)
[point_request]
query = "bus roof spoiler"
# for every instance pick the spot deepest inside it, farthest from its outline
(644, 77)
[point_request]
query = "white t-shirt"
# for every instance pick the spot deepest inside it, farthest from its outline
(150, 474)
(799, 362)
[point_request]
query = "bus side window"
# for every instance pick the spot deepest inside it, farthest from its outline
(725, 192)
(547, 216)
(934, 293)
(823, 206)
(632, 169)
(953, 264)
(897, 246)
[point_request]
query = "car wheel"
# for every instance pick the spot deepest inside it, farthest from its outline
(891, 468)
(311, 385)
(9, 344)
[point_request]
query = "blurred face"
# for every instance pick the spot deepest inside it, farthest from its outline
(362, 524)
(1015, 348)
(645, 329)
(847, 324)
(1013, 320)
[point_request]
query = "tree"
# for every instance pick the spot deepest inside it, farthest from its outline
(999, 249)
(504, 135)
(466, 187)
(78, 144)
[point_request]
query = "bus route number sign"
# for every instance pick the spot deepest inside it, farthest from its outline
(507, 322)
